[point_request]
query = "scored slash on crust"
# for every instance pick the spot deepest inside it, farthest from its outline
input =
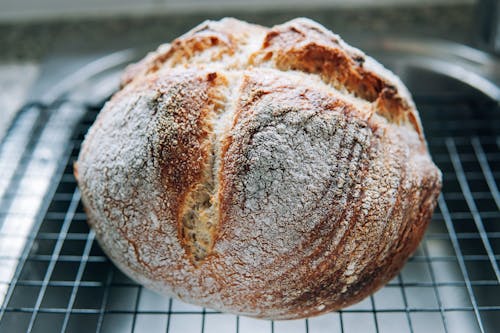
(200, 216)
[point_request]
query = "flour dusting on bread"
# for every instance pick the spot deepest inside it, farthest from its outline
(272, 172)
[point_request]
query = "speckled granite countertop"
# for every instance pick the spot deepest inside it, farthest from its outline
(27, 44)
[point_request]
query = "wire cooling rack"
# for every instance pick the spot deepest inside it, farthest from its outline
(62, 281)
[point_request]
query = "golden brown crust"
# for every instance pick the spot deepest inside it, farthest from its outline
(306, 46)
(362, 201)
(267, 172)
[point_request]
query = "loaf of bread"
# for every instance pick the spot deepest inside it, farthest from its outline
(270, 172)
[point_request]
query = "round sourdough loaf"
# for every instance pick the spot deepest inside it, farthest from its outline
(276, 173)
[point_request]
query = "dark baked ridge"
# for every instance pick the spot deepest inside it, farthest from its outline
(275, 172)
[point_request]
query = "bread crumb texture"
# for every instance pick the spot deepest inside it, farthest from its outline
(276, 173)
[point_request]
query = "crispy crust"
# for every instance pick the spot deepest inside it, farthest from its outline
(276, 173)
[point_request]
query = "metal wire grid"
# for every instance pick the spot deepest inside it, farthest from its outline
(64, 283)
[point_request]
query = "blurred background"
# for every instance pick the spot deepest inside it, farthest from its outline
(32, 29)
(61, 59)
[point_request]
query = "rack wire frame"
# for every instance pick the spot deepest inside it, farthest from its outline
(64, 283)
